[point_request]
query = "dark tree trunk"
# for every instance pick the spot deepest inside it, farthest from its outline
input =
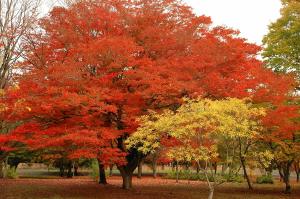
(13, 162)
(76, 169)
(127, 180)
(1, 167)
(126, 174)
(177, 173)
(69, 174)
(198, 169)
(111, 169)
(133, 156)
(140, 169)
(280, 174)
(102, 177)
(215, 166)
(243, 162)
(286, 177)
(61, 169)
(187, 166)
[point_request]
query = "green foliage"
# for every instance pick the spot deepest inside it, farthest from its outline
(94, 170)
(265, 179)
(234, 178)
(11, 173)
(189, 175)
(282, 43)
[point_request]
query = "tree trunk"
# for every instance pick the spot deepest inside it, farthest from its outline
(215, 165)
(102, 177)
(177, 174)
(127, 171)
(127, 181)
(61, 169)
(288, 188)
(69, 174)
(111, 169)
(286, 177)
(173, 164)
(211, 193)
(280, 174)
(245, 173)
(223, 169)
(297, 169)
(140, 169)
(76, 169)
(133, 156)
(1, 169)
(154, 167)
(126, 176)
(187, 166)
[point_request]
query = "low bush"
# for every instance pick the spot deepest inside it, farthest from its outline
(188, 175)
(265, 179)
(234, 178)
(11, 173)
(94, 170)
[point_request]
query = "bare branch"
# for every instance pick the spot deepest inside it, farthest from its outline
(17, 17)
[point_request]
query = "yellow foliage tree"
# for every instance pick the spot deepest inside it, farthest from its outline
(201, 126)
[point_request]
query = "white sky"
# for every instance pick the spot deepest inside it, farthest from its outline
(251, 17)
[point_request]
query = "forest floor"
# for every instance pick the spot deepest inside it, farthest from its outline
(145, 188)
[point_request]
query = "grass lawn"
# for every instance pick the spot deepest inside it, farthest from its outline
(145, 188)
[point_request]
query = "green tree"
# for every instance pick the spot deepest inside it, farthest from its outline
(282, 43)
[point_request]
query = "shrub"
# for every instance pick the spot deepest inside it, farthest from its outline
(94, 170)
(188, 175)
(234, 178)
(184, 175)
(265, 179)
(11, 173)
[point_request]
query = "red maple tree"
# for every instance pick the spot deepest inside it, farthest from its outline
(96, 66)
(282, 137)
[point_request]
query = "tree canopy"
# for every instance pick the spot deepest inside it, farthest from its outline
(282, 52)
(94, 67)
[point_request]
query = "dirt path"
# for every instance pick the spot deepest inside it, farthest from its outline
(146, 188)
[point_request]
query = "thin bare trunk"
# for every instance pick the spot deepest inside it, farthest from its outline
(177, 173)
(1, 169)
(245, 173)
(111, 170)
(242, 153)
(211, 193)
(140, 169)
(17, 17)
(154, 167)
